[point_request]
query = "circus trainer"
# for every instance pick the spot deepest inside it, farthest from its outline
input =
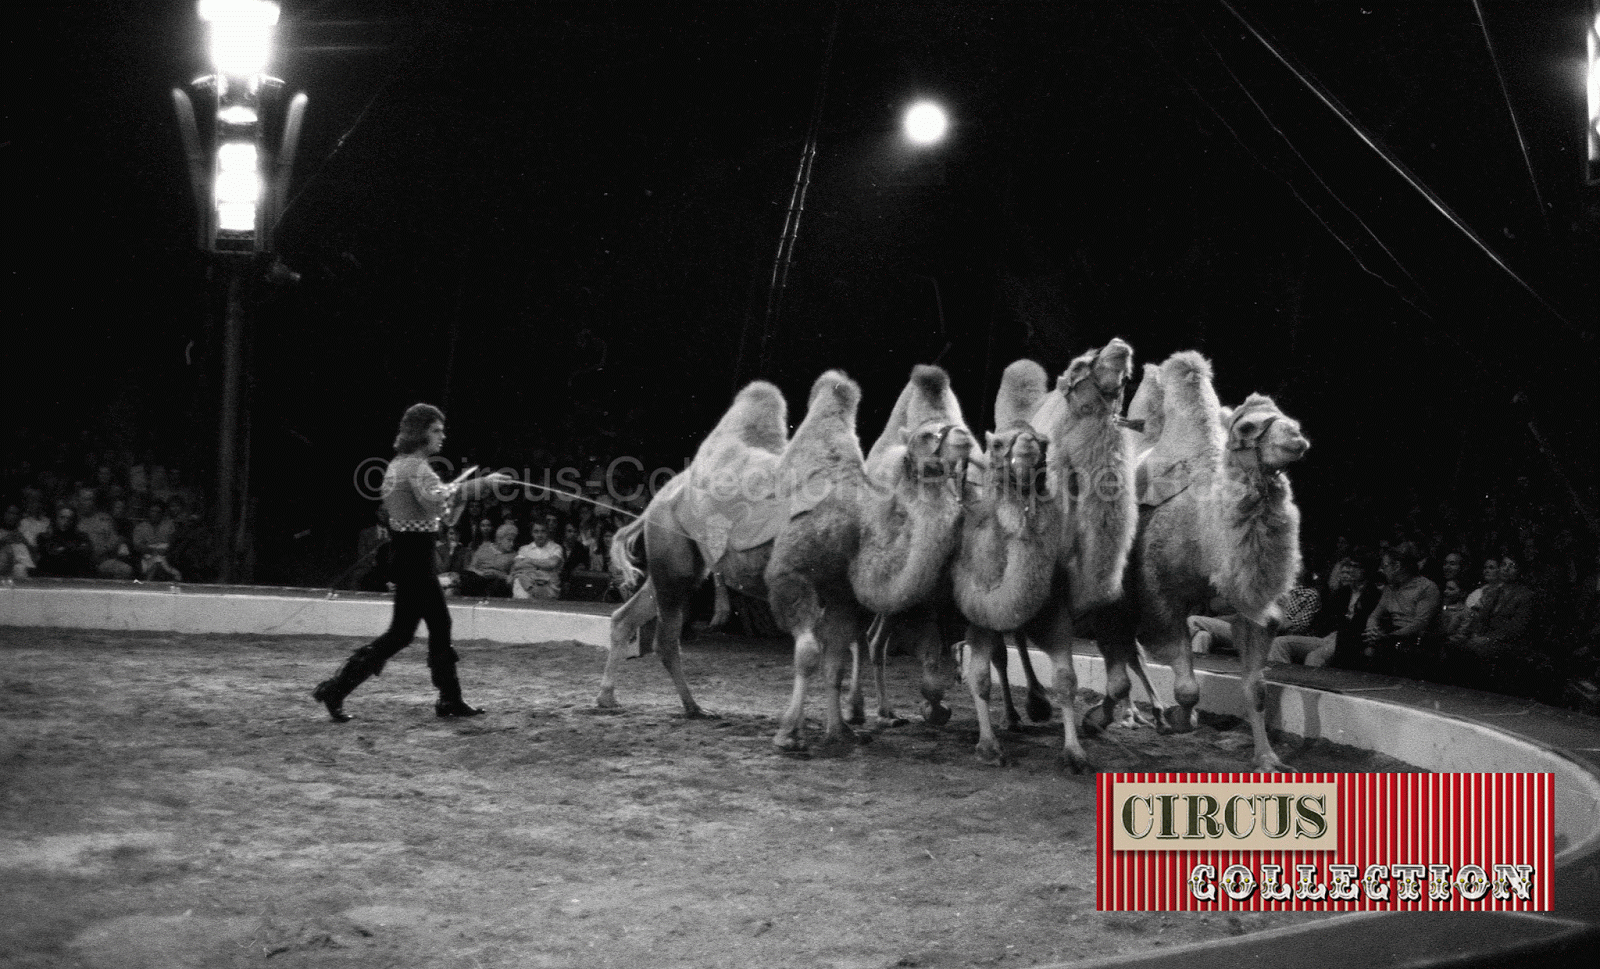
(416, 501)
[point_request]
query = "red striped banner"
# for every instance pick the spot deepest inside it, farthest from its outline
(1388, 842)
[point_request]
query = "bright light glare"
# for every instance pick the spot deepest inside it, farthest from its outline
(1594, 90)
(237, 114)
(236, 216)
(238, 186)
(241, 34)
(926, 123)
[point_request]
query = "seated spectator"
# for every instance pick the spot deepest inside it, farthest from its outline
(111, 547)
(450, 559)
(16, 558)
(1400, 636)
(1494, 655)
(35, 517)
(1213, 630)
(1454, 615)
(65, 552)
(372, 555)
(1349, 609)
(152, 540)
(1491, 575)
(489, 571)
(1450, 567)
(194, 549)
(536, 570)
(1318, 638)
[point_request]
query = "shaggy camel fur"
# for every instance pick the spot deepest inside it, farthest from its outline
(1141, 431)
(921, 409)
(853, 546)
(1010, 540)
(1088, 470)
(1218, 518)
(707, 518)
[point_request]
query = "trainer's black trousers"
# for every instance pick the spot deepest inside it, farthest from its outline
(417, 598)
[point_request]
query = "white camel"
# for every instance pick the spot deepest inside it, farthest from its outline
(1217, 517)
(854, 546)
(719, 515)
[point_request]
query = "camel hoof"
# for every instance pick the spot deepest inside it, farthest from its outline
(1270, 764)
(936, 714)
(1073, 763)
(1176, 720)
(990, 755)
(1039, 709)
(789, 744)
(890, 720)
(1095, 720)
(607, 700)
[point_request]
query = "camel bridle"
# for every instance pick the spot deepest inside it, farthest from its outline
(920, 472)
(1268, 478)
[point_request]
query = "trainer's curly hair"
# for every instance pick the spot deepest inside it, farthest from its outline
(414, 427)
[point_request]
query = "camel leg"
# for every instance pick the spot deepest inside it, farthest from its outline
(1253, 642)
(870, 647)
(1114, 635)
(936, 665)
(722, 610)
(1052, 631)
(1179, 718)
(839, 631)
(1135, 718)
(672, 602)
(1001, 660)
(879, 650)
(981, 645)
(626, 621)
(1039, 709)
(803, 612)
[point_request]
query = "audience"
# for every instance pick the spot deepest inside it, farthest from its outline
(1400, 637)
(489, 571)
(536, 570)
(1495, 651)
(64, 551)
(1342, 617)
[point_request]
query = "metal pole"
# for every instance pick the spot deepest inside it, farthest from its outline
(233, 322)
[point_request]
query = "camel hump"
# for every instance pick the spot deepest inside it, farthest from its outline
(1185, 366)
(759, 416)
(932, 399)
(1023, 385)
(834, 394)
(828, 431)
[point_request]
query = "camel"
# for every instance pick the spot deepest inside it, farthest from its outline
(1087, 470)
(919, 626)
(720, 515)
(1010, 539)
(854, 545)
(1217, 516)
(1141, 429)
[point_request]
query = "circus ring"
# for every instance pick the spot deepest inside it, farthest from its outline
(1435, 728)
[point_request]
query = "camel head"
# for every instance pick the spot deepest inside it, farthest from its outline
(1016, 458)
(936, 450)
(1144, 411)
(1093, 383)
(1258, 425)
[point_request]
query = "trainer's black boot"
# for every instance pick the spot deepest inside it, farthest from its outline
(450, 703)
(329, 695)
(331, 692)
